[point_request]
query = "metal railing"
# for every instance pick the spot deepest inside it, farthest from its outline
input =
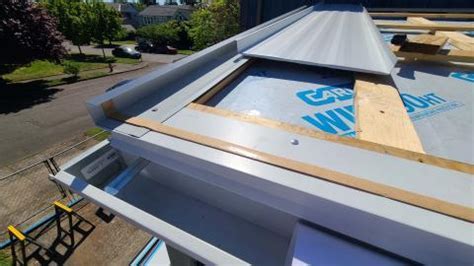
(26, 194)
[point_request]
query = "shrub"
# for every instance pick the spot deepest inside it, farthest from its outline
(71, 68)
(161, 34)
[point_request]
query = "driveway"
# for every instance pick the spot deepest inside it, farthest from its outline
(59, 115)
(146, 57)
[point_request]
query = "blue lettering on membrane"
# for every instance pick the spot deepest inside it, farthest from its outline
(463, 76)
(326, 95)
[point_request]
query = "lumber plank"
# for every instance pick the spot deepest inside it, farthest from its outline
(457, 39)
(354, 142)
(423, 15)
(420, 26)
(424, 43)
(443, 56)
(381, 116)
(447, 208)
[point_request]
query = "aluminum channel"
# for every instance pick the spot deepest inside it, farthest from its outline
(335, 36)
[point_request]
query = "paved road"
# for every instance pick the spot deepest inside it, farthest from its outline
(63, 115)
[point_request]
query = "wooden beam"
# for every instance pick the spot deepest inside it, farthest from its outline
(457, 39)
(223, 83)
(353, 142)
(447, 208)
(443, 56)
(423, 15)
(425, 44)
(381, 116)
(419, 26)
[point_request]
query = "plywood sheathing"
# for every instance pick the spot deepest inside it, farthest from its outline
(381, 116)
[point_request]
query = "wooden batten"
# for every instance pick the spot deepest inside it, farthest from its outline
(457, 39)
(423, 15)
(420, 26)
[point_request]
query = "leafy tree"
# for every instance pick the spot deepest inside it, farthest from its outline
(161, 34)
(75, 20)
(107, 23)
(214, 23)
(27, 33)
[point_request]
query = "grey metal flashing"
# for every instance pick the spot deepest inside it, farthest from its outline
(397, 172)
(415, 233)
(335, 36)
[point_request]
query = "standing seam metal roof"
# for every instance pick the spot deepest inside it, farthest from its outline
(335, 36)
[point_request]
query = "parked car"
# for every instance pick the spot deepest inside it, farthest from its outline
(165, 49)
(149, 47)
(145, 47)
(128, 52)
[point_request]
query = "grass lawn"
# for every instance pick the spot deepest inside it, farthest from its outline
(41, 69)
(5, 258)
(186, 52)
(127, 42)
(94, 131)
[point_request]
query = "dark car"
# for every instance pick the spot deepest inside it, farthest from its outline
(149, 47)
(126, 52)
(165, 49)
(145, 47)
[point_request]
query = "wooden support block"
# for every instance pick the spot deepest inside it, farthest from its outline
(420, 26)
(442, 56)
(457, 39)
(381, 116)
(423, 15)
(19, 235)
(63, 207)
(425, 44)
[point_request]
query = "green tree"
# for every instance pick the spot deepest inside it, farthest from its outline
(107, 25)
(28, 32)
(75, 20)
(212, 24)
(161, 34)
